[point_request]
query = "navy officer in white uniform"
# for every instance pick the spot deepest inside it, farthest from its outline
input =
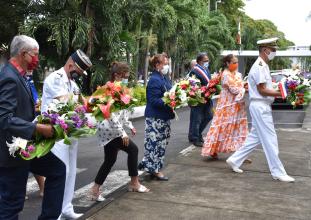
(261, 95)
(61, 85)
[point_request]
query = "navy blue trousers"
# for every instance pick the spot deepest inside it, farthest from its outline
(200, 116)
(13, 181)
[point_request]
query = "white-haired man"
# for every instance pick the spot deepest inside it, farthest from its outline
(17, 111)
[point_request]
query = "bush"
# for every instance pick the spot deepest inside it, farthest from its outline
(139, 93)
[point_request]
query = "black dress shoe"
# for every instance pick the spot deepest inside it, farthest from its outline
(159, 178)
(198, 144)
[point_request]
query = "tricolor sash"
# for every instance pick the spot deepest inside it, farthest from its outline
(201, 72)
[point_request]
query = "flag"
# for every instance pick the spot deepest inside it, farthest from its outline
(282, 88)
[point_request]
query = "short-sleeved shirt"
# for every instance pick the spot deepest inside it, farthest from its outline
(57, 84)
(259, 73)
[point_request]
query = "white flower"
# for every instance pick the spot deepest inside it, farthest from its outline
(306, 82)
(183, 97)
(17, 143)
(173, 89)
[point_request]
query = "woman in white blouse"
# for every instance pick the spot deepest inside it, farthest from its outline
(113, 138)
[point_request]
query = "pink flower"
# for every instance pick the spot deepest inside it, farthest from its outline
(90, 125)
(191, 93)
(203, 89)
(125, 99)
(105, 109)
(25, 153)
(172, 95)
(31, 148)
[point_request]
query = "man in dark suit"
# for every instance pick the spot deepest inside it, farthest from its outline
(201, 114)
(17, 111)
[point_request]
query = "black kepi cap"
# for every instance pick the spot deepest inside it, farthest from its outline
(82, 61)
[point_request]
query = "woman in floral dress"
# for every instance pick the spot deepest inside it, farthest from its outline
(229, 127)
(158, 116)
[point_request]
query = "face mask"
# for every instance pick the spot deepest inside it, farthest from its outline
(34, 63)
(74, 75)
(165, 69)
(206, 65)
(233, 67)
(271, 55)
(125, 81)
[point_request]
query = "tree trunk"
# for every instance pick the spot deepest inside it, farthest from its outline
(138, 33)
(147, 55)
(89, 13)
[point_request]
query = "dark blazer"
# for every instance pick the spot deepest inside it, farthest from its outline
(16, 113)
(156, 88)
(202, 79)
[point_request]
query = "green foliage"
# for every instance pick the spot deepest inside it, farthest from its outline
(139, 93)
(124, 30)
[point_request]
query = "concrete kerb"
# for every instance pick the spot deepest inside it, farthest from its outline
(307, 120)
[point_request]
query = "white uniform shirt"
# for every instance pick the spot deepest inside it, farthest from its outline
(259, 73)
(112, 128)
(57, 84)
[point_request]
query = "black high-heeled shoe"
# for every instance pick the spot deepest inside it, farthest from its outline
(159, 178)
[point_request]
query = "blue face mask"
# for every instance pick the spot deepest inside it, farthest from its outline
(125, 81)
(206, 65)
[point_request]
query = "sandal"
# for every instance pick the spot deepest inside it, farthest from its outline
(96, 197)
(140, 189)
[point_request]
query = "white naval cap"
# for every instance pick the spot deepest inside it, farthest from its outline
(270, 42)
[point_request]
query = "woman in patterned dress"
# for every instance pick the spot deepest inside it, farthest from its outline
(112, 137)
(229, 127)
(158, 116)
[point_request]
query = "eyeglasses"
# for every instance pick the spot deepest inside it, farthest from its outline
(31, 54)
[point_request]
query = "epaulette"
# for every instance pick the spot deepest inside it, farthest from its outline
(260, 63)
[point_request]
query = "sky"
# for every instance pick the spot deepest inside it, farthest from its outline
(290, 16)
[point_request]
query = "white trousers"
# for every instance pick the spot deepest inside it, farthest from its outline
(68, 154)
(263, 133)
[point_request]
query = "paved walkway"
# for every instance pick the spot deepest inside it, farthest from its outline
(202, 189)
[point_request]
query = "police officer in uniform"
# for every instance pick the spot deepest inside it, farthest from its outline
(60, 85)
(261, 95)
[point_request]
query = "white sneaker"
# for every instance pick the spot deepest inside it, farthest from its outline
(284, 178)
(71, 215)
(233, 166)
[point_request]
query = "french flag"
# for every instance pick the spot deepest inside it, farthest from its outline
(282, 88)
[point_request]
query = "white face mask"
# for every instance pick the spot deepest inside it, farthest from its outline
(271, 55)
(165, 69)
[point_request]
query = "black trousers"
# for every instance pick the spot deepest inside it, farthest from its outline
(111, 153)
(13, 182)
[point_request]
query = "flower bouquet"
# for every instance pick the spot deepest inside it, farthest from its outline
(298, 92)
(213, 87)
(68, 120)
(111, 97)
(176, 97)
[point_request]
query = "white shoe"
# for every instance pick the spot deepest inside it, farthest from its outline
(71, 215)
(234, 168)
(284, 178)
